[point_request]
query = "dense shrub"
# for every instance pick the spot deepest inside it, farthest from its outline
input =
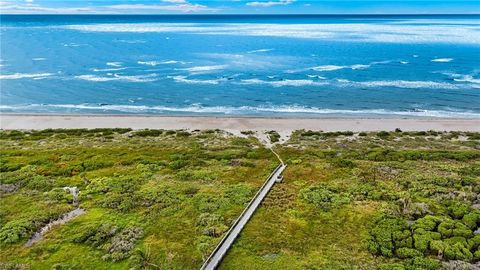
(388, 232)
(122, 244)
(115, 242)
(404, 253)
(383, 134)
(16, 230)
(323, 197)
(148, 133)
(273, 136)
(342, 163)
(441, 236)
(96, 235)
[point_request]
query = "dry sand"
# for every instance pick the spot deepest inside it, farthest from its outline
(234, 124)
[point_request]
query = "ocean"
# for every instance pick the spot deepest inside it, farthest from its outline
(241, 65)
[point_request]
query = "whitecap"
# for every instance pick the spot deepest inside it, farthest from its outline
(407, 84)
(108, 69)
(260, 50)
(442, 60)
(335, 67)
(116, 77)
(24, 76)
(469, 79)
(72, 45)
(39, 59)
(316, 76)
(156, 63)
(136, 41)
(204, 69)
(114, 64)
(327, 68)
(281, 83)
(184, 79)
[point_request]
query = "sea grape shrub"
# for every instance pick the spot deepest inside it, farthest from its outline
(417, 263)
(441, 236)
(148, 133)
(273, 136)
(388, 233)
(16, 230)
(383, 134)
(324, 197)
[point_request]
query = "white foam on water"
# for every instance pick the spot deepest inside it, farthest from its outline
(114, 64)
(468, 79)
(281, 83)
(136, 41)
(116, 77)
(442, 60)
(355, 32)
(108, 69)
(249, 110)
(156, 63)
(39, 59)
(403, 84)
(184, 79)
(17, 76)
(339, 82)
(260, 50)
(316, 76)
(204, 69)
(335, 67)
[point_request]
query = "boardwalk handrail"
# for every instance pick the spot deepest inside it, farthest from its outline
(240, 217)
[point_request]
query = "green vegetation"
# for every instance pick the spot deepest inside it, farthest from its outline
(382, 200)
(153, 199)
(158, 199)
(273, 136)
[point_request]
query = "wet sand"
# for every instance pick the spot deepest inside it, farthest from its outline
(234, 124)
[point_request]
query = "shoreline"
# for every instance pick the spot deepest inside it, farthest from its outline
(234, 124)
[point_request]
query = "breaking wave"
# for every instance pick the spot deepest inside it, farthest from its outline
(369, 84)
(184, 79)
(203, 69)
(116, 77)
(240, 110)
(16, 76)
(442, 60)
(156, 63)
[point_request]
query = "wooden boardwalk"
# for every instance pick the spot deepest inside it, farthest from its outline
(222, 248)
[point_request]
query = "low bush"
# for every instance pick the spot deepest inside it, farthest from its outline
(16, 230)
(323, 197)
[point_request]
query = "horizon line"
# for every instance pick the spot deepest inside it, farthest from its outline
(244, 14)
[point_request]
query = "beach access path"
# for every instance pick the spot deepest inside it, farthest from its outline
(213, 261)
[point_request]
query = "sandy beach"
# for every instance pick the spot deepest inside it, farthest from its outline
(234, 124)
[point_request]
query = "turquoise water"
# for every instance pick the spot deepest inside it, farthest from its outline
(409, 66)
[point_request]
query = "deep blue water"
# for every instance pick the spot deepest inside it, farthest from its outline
(242, 65)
